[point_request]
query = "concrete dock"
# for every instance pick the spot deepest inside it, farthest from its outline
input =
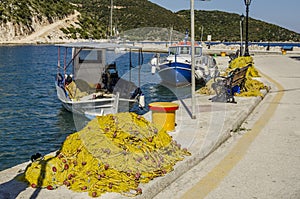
(262, 159)
(238, 150)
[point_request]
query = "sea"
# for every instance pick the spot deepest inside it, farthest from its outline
(32, 119)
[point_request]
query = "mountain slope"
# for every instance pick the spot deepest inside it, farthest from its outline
(24, 17)
(20, 19)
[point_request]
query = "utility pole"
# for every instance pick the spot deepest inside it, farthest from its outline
(193, 87)
(193, 81)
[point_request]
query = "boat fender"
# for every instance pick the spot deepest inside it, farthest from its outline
(154, 61)
(142, 101)
(153, 69)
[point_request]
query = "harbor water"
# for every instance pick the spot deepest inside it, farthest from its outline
(32, 119)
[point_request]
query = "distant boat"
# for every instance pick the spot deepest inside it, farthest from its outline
(89, 84)
(175, 69)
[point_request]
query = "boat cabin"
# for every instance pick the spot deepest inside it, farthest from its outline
(184, 50)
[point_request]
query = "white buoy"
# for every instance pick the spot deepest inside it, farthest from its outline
(142, 101)
(154, 61)
(153, 70)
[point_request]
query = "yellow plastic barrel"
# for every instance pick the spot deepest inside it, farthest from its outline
(163, 114)
(223, 54)
(283, 52)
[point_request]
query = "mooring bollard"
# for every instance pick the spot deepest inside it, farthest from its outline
(163, 114)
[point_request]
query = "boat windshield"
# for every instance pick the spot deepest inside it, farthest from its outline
(198, 51)
(90, 56)
(172, 50)
(185, 50)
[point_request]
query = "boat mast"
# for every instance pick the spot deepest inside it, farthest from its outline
(171, 34)
(111, 16)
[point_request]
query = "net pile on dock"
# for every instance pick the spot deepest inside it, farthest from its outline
(253, 86)
(113, 153)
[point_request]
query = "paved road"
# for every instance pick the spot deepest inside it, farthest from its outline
(263, 159)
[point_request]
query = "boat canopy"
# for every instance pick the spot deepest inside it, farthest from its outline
(98, 45)
(91, 60)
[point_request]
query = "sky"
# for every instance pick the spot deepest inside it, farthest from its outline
(283, 13)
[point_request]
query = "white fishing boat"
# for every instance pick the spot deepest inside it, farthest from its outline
(88, 81)
(175, 68)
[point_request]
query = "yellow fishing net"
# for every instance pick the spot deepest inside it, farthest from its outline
(253, 86)
(74, 92)
(113, 153)
(241, 62)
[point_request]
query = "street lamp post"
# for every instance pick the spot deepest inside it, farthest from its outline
(242, 32)
(247, 3)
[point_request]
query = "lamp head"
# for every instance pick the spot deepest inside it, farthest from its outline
(247, 2)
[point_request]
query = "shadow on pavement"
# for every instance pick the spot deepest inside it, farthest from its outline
(12, 188)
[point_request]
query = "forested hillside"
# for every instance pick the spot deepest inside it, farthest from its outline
(225, 26)
(23, 17)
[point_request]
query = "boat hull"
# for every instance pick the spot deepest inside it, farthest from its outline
(97, 107)
(175, 73)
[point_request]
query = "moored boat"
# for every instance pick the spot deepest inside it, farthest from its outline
(88, 81)
(175, 68)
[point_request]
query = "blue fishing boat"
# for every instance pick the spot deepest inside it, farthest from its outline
(175, 68)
